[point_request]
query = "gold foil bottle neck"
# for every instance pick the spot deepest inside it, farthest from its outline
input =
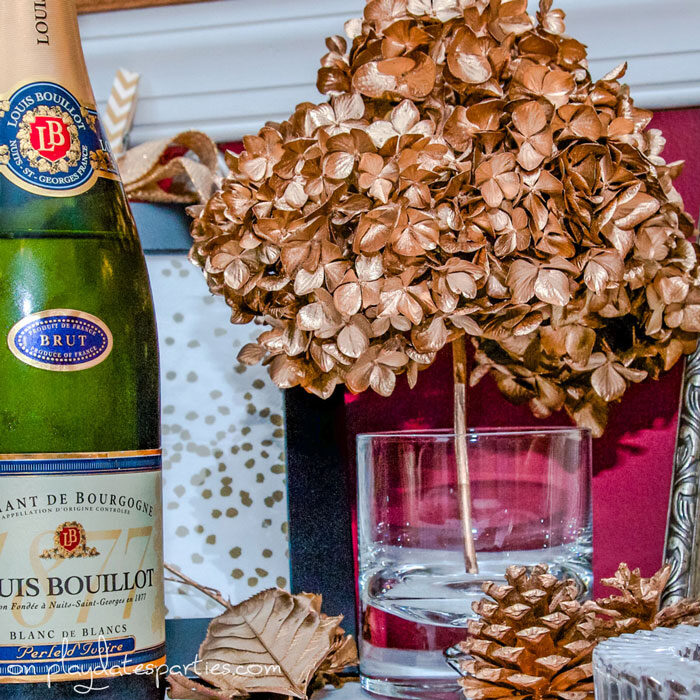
(51, 143)
(41, 42)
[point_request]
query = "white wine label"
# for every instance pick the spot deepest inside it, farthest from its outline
(60, 340)
(51, 144)
(81, 551)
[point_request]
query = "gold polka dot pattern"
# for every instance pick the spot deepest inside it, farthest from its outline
(223, 447)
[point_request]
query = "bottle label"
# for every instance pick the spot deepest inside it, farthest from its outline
(81, 550)
(50, 143)
(60, 340)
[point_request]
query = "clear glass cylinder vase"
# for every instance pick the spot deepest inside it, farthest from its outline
(531, 503)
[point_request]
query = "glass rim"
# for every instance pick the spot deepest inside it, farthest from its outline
(447, 433)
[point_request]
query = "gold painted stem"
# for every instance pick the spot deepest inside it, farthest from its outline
(459, 370)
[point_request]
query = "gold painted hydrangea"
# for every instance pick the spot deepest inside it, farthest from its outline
(466, 175)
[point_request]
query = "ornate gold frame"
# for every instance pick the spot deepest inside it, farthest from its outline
(683, 512)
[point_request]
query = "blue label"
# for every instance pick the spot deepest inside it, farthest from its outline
(62, 340)
(50, 143)
(80, 463)
(74, 659)
(69, 650)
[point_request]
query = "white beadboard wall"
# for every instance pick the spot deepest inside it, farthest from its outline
(227, 67)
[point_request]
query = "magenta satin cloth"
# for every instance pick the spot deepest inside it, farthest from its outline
(632, 462)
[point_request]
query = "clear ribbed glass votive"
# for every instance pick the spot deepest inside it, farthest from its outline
(662, 664)
(530, 495)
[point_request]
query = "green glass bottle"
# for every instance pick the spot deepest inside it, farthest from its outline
(81, 579)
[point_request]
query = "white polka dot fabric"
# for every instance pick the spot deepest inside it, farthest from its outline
(225, 499)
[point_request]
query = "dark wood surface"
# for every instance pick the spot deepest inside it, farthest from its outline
(85, 6)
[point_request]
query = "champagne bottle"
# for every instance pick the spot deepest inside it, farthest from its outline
(81, 582)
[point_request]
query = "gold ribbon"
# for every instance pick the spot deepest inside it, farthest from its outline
(195, 175)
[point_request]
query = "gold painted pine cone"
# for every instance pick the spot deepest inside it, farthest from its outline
(466, 175)
(534, 639)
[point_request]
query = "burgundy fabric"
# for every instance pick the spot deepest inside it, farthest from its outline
(234, 146)
(681, 127)
(631, 462)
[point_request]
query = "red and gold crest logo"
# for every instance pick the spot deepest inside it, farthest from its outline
(49, 140)
(71, 541)
(69, 536)
(50, 137)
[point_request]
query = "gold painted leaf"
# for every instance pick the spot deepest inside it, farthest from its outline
(352, 341)
(552, 287)
(430, 338)
(286, 634)
(402, 37)
(385, 11)
(332, 80)
(653, 242)
(553, 21)
(466, 59)
(521, 280)
(635, 211)
(380, 132)
(470, 68)
(251, 354)
(604, 267)
(369, 267)
(496, 179)
(554, 85)
(375, 228)
(311, 317)
(274, 642)
(306, 282)
(440, 9)
(404, 116)
(579, 343)
(608, 383)
(466, 323)
(617, 72)
(348, 107)
(348, 298)
(420, 234)
(236, 274)
(673, 289)
(529, 118)
(382, 380)
(182, 688)
(402, 76)
(357, 379)
(592, 414)
(338, 165)
(531, 322)
(295, 195)
(392, 358)
(691, 319)
(286, 372)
